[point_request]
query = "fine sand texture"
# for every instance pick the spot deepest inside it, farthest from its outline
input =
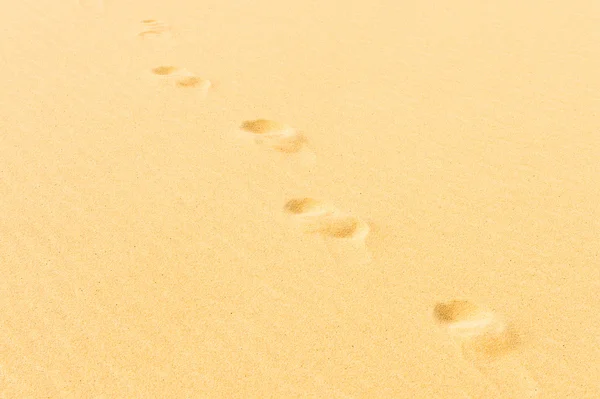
(300, 199)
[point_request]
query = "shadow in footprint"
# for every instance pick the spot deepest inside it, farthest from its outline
(489, 343)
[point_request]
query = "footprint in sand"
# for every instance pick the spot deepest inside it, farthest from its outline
(309, 212)
(181, 77)
(278, 137)
(153, 28)
(489, 343)
(345, 235)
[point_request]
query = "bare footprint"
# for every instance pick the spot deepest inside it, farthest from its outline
(181, 78)
(308, 213)
(344, 235)
(278, 137)
(153, 28)
(344, 227)
(490, 344)
(165, 70)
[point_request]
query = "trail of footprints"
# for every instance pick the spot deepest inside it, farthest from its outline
(482, 336)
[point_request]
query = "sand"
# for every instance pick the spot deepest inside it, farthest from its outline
(444, 160)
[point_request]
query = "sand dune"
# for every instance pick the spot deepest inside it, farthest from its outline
(224, 199)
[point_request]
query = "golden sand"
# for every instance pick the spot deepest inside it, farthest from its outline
(145, 252)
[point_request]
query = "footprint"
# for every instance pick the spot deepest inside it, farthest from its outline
(181, 78)
(165, 70)
(344, 235)
(193, 82)
(489, 343)
(278, 137)
(344, 227)
(153, 28)
(308, 212)
(465, 319)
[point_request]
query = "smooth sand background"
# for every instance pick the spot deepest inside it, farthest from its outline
(144, 252)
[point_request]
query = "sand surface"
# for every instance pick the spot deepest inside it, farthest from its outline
(444, 160)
